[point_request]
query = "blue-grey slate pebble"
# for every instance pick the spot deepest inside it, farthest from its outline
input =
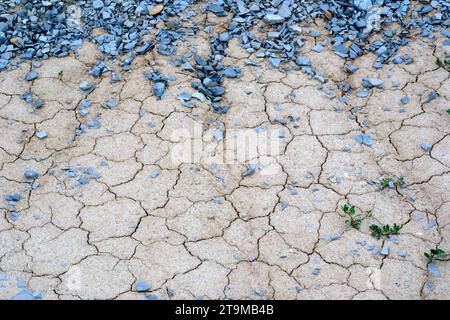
(85, 86)
(159, 88)
(364, 139)
(31, 174)
(32, 75)
(385, 250)
(426, 147)
(405, 100)
(434, 270)
(41, 134)
(142, 285)
(110, 104)
(274, 18)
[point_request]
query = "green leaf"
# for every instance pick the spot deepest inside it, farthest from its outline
(435, 254)
(352, 210)
(385, 231)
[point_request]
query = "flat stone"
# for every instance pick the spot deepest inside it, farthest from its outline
(374, 82)
(42, 134)
(364, 139)
(85, 86)
(156, 10)
(32, 75)
(273, 18)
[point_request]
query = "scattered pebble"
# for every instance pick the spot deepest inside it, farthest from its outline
(110, 104)
(41, 134)
(31, 174)
(251, 170)
(402, 253)
(405, 100)
(316, 271)
(141, 286)
(426, 147)
(374, 82)
(159, 88)
(385, 250)
(432, 268)
(259, 293)
(85, 86)
(364, 139)
(154, 173)
(32, 75)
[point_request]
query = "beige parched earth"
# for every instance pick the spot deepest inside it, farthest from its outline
(113, 216)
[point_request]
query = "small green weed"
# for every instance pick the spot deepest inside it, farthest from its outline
(392, 182)
(354, 220)
(435, 254)
(385, 231)
(443, 63)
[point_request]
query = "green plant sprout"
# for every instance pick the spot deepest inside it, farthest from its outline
(435, 254)
(353, 220)
(392, 182)
(385, 231)
(444, 64)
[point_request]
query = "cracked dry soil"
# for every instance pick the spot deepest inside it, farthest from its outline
(205, 230)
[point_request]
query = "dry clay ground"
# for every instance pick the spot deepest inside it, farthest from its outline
(110, 207)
